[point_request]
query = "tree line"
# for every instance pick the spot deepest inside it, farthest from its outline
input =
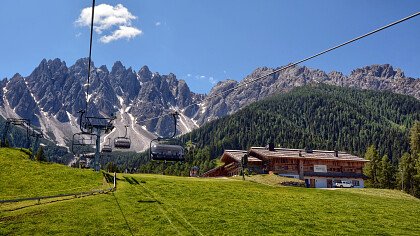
(404, 175)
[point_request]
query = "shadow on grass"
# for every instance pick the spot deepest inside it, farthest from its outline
(132, 180)
(149, 201)
(45, 202)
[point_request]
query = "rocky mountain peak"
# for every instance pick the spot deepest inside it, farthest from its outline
(145, 73)
(118, 67)
(382, 71)
(104, 69)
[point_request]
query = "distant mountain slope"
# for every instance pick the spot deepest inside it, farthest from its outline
(53, 93)
(375, 77)
(317, 116)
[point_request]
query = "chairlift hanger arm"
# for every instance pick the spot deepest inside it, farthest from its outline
(174, 115)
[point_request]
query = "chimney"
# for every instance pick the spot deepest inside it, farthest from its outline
(271, 147)
(336, 153)
(300, 153)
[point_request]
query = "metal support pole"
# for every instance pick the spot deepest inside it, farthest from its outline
(115, 180)
(98, 149)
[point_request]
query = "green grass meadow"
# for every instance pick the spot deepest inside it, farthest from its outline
(167, 205)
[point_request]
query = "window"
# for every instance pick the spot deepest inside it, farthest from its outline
(355, 182)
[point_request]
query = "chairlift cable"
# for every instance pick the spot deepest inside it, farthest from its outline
(294, 63)
(90, 56)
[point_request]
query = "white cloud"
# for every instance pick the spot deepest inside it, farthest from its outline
(123, 32)
(115, 22)
(212, 80)
(158, 23)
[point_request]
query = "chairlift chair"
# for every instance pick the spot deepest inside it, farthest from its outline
(107, 147)
(161, 150)
(81, 140)
(123, 142)
(166, 152)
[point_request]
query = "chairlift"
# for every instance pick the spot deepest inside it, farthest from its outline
(123, 142)
(92, 125)
(25, 123)
(166, 152)
(161, 149)
(81, 140)
(107, 147)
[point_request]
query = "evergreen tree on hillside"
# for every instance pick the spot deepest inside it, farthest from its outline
(111, 167)
(372, 169)
(408, 171)
(415, 152)
(40, 156)
(415, 138)
(386, 174)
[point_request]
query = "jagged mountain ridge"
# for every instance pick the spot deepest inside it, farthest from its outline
(375, 77)
(53, 93)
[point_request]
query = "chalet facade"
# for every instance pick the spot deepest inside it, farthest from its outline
(318, 168)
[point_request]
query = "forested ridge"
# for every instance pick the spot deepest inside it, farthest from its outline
(316, 116)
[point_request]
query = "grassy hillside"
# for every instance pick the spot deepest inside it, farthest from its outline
(167, 205)
(21, 177)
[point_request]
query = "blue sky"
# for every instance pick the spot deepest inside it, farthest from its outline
(207, 41)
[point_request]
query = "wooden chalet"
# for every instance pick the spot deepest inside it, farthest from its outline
(232, 164)
(319, 168)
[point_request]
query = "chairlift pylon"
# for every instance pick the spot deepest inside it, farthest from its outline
(123, 142)
(160, 151)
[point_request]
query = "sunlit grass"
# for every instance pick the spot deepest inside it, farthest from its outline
(21, 177)
(167, 205)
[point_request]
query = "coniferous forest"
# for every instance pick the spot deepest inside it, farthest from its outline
(316, 116)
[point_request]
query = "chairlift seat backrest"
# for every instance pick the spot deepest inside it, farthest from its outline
(122, 142)
(106, 148)
(166, 152)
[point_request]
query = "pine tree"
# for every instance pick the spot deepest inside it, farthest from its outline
(387, 174)
(408, 172)
(40, 154)
(415, 139)
(415, 153)
(372, 168)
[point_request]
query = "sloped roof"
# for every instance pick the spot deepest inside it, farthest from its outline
(236, 156)
(294, 153)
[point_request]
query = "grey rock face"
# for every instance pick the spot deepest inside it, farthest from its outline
(55, 90)
(375, 77)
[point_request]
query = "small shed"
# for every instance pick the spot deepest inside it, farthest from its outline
(194, 171)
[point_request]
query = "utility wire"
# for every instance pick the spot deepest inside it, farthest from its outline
(122, 213)
(293, 64)
(90, 55)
